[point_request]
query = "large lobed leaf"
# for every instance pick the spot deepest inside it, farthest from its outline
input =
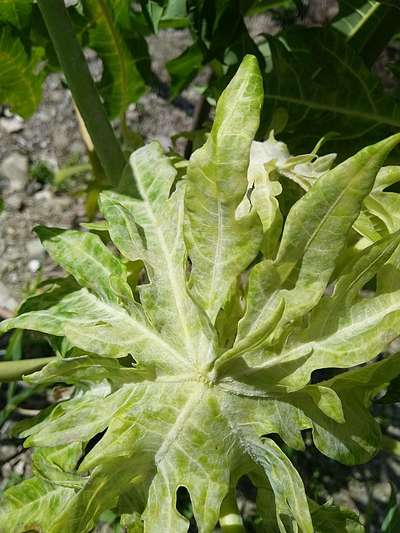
(313, 101)
(181, 380)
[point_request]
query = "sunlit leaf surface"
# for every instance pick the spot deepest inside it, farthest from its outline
(182, 379)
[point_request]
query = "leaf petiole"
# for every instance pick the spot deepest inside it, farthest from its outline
(14, 370)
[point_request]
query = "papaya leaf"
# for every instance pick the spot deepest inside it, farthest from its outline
(121, 83)
(15, 12)
(357, 108)
(368, 25)
(220, 246)
(330, 519)
(181, 379)
(20, 76)
(31, 501)
(184, 68)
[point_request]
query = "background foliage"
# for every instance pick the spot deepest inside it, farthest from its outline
(301, 64)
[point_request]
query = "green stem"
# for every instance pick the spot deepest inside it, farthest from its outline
(230, 519)
(82, 87)
(14, 370)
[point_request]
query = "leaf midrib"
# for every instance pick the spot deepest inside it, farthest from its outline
(170, 270)
(148, 332)
(348, 111)
(185, 414)
(118, 48)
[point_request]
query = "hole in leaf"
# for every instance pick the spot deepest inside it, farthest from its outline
(128, 361)
(395, 187)
(144, 277)
(174, 184)
(89, 447)
(135, 271)
(246, 495)
(276, 438)
(293, 193)
(325, 373)
(189, 266)
(368, 289)
(246, 488)
(184, 507)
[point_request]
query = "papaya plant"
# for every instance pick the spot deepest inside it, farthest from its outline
(182, 376)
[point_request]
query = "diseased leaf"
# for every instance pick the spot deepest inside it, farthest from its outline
(98, 327)
(200, 341)
(48, 293)
(288, 491)
(315, 233)
(353, 337)
(358, 271)
(336, 199)
(269, 161)
(28, 504)
(220, 246)
(160, 217)
(359, 438)
(387, 176)
(88, 369)
(86, 257)
(59, 464)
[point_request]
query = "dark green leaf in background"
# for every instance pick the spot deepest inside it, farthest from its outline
(121, 82)
(368, 25)
(15, 12)
(307, 64)
(20, 75)
(184, 68)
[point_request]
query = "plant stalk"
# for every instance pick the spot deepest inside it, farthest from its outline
(14, 370)
(83, 88)
(230, 519)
